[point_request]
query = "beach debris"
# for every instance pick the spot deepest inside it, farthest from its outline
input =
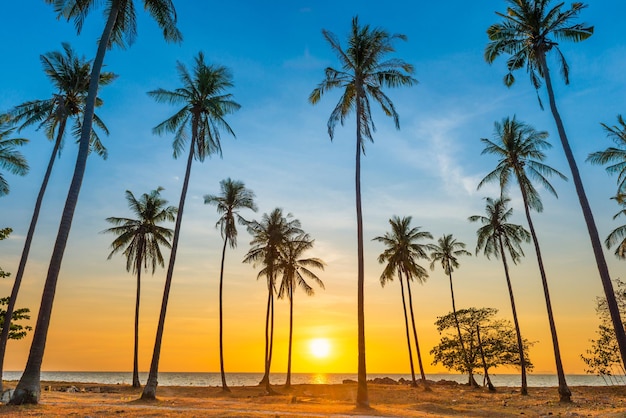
(6, 395)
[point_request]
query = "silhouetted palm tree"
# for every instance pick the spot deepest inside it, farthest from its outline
(10, 158)
(446, 252)
(234, 196)
(140, 240)
(401, 254)
(494, 237)
(365, 71)
(121, 29)
(269, 237)
(295, 270)
(519, 148)
(615, 156)
(205, 104)
(70, 76)
(618, 235)
(531, 29)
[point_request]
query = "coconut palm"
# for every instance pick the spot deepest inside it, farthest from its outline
(618, 235)
(519, 149)
(205, 103)
(365, 71)
(496, 237)
(401, 254)
(295, 270)
(234, 196)
(446, 251)
(140, 240)
(70, 76)
(531, 29)
(615, 156)
(10, 158)
(269, 238)
(120, 29)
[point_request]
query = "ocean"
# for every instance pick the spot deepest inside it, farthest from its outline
(251, 379)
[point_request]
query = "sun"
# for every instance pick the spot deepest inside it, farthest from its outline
(319, 347)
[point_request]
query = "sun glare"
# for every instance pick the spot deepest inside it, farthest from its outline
(319, 347)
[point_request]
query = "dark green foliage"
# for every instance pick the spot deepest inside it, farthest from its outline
(497, 336)
(17, 331)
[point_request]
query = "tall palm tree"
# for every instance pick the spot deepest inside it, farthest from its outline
(401, 254)
(494, 237)
(140, 240)
(446, 252)
(10, 158)
(205, 103)
(519, 149)
(615, 156)
(234, 196)
(365, 71)
(70, 75)
(269, 238)
(295, 270)
(120, 28)
(531, 30)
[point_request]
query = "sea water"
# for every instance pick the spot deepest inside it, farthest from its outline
(252, 379)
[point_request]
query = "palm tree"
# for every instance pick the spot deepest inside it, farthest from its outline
(121, 29)
(295, 271)
(529, 32)
(616, 156)
(519, 148)
(618, 235)
(10, 158)
(365, 71)
(269, 238)
(70, 76)
(401, 254)
(234, 196)
(139, 240)
(494, 237)
(446, 252)
(205, 104)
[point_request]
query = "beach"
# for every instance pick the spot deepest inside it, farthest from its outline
(445, 399)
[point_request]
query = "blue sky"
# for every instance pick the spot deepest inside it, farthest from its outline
(429, 169)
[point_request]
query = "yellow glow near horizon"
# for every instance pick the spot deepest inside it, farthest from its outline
(319, 347)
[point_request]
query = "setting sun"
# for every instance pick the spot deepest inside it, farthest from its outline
(319, 347)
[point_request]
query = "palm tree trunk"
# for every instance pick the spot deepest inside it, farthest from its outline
(268, 387)
(28, 388)
(288, 381)
(149, 391)
(564, 391)
(408, 335)
(471, 380)
(362, 397)
(224, 385)
(136, 383)
(482, 356)
(4, 336)
(417, 345)
(520, 345)
(267, 336)
(588, 215)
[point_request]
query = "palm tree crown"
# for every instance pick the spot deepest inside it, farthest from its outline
(70, 76)
(529, 31)
(519, 149)
(295, 269)
(140, 239)
(446, 252)
(403, 250)
(618, 235)
(496, 230)
(205, 104)
(234, 196)
(10, 158)
(615, 156)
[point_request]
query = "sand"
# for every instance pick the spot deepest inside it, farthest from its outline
(445, 400)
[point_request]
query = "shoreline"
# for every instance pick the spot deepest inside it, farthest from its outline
(446, 399)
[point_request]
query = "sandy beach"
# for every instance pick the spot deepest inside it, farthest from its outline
(446, 399)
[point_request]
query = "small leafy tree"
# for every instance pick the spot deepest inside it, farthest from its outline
(497, 340)
(16, 331)
(603, 358)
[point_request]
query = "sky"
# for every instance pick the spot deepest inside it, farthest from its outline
(429, 169)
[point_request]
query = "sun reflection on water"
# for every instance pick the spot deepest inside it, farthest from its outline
(319, 379)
